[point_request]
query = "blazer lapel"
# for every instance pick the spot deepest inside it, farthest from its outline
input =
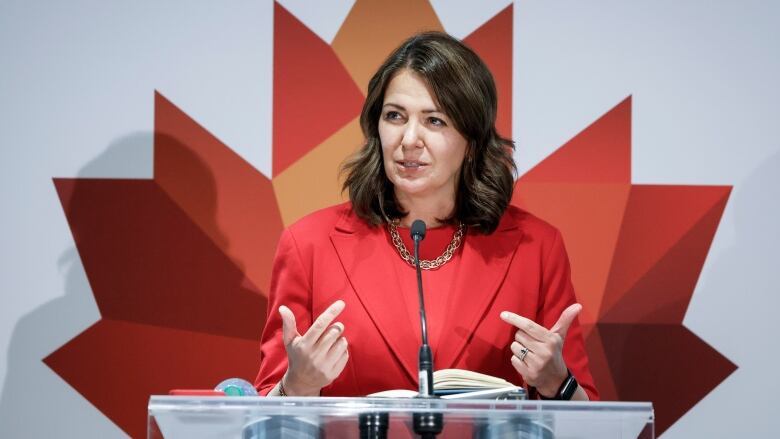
(365, 255)
(483, 267)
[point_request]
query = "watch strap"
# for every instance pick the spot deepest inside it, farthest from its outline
(567, 389)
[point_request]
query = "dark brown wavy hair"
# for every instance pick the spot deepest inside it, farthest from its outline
(464, 88)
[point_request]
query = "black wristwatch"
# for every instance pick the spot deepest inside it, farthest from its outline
(567, 389)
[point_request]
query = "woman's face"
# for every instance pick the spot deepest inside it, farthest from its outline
(421, 149)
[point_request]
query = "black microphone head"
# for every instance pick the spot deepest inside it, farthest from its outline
(418, 230)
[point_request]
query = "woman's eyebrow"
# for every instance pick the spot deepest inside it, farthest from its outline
(400, 107)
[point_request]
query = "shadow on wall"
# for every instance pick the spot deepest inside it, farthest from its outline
(36, 402)
(175, 310)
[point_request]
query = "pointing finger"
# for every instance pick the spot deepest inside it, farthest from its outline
(528, 326)
(323, 321)
(528, 341)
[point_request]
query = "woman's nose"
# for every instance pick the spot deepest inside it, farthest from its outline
(411, 137)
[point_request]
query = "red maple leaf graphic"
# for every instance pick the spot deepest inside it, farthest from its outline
(179, 265)
(636, 254)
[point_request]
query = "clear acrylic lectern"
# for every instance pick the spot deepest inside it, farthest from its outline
(173, 417)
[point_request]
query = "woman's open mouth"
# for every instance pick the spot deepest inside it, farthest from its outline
(411, 164)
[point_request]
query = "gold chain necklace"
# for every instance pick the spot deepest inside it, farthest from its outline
(392, 226)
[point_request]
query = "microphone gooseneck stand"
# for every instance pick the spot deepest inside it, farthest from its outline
(427, 425)
(373, 425)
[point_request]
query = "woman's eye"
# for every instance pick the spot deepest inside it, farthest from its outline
(435, 121)
(392, 115)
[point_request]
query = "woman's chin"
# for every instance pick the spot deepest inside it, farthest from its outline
(412, 188)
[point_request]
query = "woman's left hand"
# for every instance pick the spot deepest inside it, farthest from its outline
(537, 353)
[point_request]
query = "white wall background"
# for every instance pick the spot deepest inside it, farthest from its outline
(77, 79)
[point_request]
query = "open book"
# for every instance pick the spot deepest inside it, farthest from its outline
(459, 383)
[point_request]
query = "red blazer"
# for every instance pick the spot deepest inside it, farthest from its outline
(331, 254)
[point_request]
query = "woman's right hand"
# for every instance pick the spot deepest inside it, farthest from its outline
(316, 358)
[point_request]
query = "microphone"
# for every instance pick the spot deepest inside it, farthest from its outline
(426, 424)
(425, 362)
(418, 231)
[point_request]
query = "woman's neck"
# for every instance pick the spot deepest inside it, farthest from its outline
(428, 209)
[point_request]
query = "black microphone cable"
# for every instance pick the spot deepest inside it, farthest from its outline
(426, 356)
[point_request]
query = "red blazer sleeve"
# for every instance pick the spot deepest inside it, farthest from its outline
(557, 294)
(290, 286)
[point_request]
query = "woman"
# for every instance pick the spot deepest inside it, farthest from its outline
(343, 308)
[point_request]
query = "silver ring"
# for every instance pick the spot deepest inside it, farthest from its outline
(523, 353)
